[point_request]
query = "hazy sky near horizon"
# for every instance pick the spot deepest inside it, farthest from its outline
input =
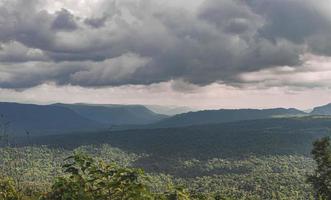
(197, 53)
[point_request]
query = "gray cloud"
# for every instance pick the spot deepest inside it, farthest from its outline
(64, 20)
(233, 17)
(17, 52)
(141, 42)
(294, 20)
(96, 22)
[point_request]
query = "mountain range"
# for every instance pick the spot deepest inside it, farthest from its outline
(225, 115)
(322, 110)
(42, 119)
(59, 118)
(115, 114)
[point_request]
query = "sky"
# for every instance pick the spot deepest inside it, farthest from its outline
(204, 54)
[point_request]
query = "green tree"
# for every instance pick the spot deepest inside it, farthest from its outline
(7, 189)
(321, 179)
(91, 180)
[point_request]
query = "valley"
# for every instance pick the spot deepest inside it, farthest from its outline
(221, 152)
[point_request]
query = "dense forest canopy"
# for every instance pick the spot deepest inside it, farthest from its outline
(250, 159)
(32, 172)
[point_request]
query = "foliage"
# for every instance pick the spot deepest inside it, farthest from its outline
(7, 189)
(178, 193)
(321, 179)
(254, 177)
(89, 180)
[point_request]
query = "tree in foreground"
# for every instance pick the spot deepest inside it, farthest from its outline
(321, 179)
(88, 179)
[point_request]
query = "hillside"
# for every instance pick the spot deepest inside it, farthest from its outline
(115, 114)
(234, 158)
(225, 115)
(261, 137)
(322, 110)
(44, 119)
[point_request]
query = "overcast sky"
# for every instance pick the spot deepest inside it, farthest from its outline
(198, 53)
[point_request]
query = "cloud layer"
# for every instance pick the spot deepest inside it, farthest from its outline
(141, 42)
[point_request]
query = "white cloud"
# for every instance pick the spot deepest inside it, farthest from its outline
(315, 72)
(16, 52)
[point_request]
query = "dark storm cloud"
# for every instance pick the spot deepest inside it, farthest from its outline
(96, 22)
(141, 42)
(64, 20)
(299, 21)
(21, 22)
(293, 19)
(231, 16)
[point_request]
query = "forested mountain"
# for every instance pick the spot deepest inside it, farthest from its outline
(232, 158)
(115, 114)
(44, 119)
(225, 115)
(261, 137)
(322, 110)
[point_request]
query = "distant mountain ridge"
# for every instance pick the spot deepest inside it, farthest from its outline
(225, 115)
(71, 117)
(322, 110)
(115, 114)
(44, 118)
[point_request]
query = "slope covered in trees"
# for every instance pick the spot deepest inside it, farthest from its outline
(261, 137)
